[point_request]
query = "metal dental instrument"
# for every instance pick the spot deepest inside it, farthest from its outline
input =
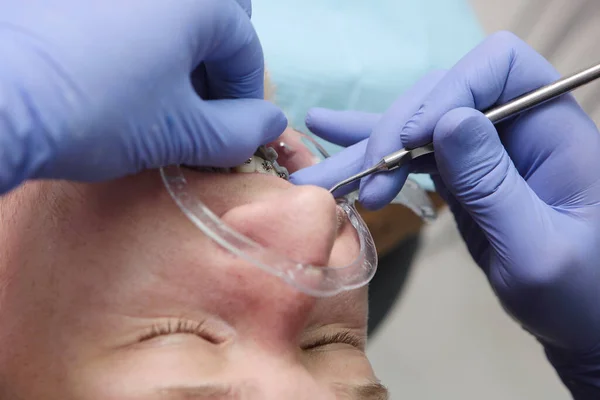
(496, 115)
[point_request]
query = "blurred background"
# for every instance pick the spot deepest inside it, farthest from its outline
(447, 337)
(437, 331)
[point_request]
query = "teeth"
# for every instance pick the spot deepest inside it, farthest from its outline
(248, 167)
(257, 164)
(267, 166)
(270, 154)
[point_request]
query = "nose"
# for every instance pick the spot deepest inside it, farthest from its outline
(299, 223)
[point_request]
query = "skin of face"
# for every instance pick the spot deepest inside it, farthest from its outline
(109, 292)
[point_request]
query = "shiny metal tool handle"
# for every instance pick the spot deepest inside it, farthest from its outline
(395, 160)
(496, 115)
(510, 109)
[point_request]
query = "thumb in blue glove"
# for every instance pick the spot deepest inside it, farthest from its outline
(353, 130)
(97, 90)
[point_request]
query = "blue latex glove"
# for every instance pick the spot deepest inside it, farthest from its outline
(93, 90)
(525, 194)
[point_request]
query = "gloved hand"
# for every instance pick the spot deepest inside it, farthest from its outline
(93, 90)
(525, 194)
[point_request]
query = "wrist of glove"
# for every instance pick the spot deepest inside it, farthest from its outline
(579, 372)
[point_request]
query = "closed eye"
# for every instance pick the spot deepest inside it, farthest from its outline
(181, 326)
(344, 337)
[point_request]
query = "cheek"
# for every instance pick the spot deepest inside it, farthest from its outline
(96, 254)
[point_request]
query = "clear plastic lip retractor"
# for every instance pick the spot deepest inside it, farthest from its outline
(318, 281)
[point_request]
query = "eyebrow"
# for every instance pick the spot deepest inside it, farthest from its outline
(202, 392)
(367, 391)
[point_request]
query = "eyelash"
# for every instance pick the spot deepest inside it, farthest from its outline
(339, 337)
(180, 326)
(197, 328)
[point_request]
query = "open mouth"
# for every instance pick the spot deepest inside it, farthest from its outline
(286, 155)
(264, 161)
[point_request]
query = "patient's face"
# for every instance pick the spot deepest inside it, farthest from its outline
(107, 291)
